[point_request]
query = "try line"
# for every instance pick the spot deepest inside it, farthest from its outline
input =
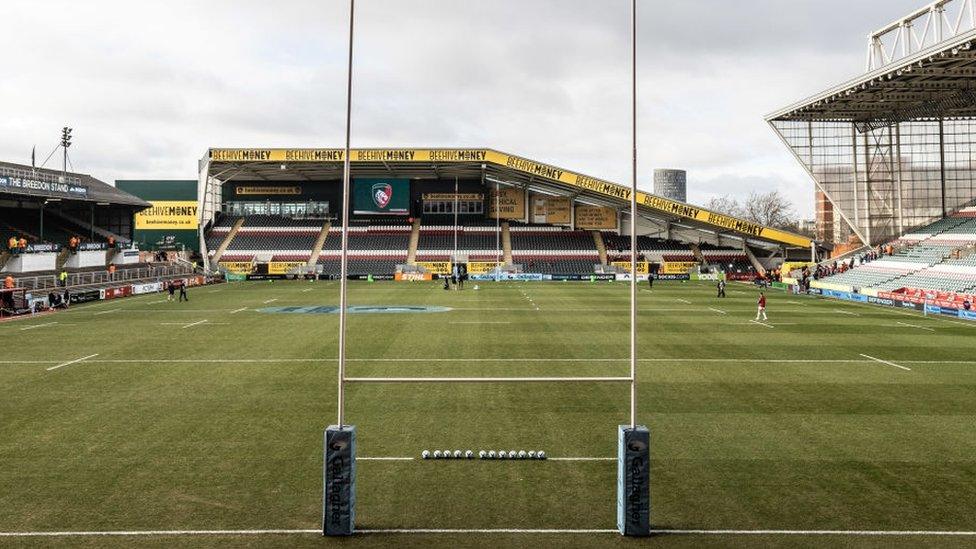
(672, 532)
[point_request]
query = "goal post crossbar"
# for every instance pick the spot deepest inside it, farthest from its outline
(488, 380)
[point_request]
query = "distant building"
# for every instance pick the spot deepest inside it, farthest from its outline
(671, 184)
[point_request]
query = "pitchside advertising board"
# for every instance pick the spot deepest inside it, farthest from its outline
(381, 196)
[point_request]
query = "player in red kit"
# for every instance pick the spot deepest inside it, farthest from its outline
(762, 306)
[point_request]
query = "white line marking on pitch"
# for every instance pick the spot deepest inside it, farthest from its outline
(762, 324)
(307, 290)
(582, 459)
(271, 301)
(238, 310)
(106, 312)
(885, 362)
(914, 326)
(717, 310)
(37, 326)
(421, 531)
(156, 302)
(199, 322)
(482, 322)
(843, 312)
(684, 301)
(69, 363)
(796, 303)
(384, 459)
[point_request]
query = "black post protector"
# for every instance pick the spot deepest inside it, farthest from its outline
(634, 480)
(339, 474)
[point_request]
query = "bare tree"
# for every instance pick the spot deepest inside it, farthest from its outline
(770, 209)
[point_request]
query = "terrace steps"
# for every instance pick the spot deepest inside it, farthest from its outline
(507, 243)
(228, 239)
(319, 243)
(600, 246)
(414, 242)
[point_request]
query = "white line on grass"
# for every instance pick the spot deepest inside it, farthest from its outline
(762, 324)
(238, 310)
(384, 459)
(271, 301)
(717, 310)
(480, 359)
(37, 326)
(685, 301)
(914, 326)
(307, 290)
(885, 362)
(192, 324)
(843, 312)
(156, 302)
(583, 459)
(107, 312)
(70, 362)
(483, 322)
(422, 531)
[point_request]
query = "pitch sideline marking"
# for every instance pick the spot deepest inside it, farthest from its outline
(271, 301)
(673, 532)
(69, 363)
(885, 362)
(762, 324)
(717, 310)
(107, 312)
(238, 310)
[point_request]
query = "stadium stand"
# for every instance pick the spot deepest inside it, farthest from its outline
(938, 257)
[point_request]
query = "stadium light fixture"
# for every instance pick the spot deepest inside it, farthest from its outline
(542, 191)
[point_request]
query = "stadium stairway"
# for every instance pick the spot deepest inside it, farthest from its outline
(414, 242)
(600, 246)
(753, 260)
(227, 240)
(507, 243)
(317, 247)
(62, 259)
(697, 252)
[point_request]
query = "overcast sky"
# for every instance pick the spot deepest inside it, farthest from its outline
(149, 85)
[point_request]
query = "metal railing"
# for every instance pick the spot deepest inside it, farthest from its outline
(927, 27)
(91, 278)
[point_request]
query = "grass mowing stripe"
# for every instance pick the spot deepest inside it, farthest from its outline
(421, 531)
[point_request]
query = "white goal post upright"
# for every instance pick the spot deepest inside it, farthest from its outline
(339, 456)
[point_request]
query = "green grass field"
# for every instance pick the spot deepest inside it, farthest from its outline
(181, 424)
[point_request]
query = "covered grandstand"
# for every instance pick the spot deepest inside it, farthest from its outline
(893, 149)
(463, 205)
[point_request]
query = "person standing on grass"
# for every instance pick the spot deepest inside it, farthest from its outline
(721, 288)
(183, 296)
(171, 288)
(650, 280)
(762, 306)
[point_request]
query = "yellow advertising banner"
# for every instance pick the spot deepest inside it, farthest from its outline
(264, 189)
(678, 267)
(436, 267)
(642, 267)
(519, 164)
(238, 267)
(169, 214)
(595, 217)
(506, 203)
(482, 267)
(284, 267)
(558, 210)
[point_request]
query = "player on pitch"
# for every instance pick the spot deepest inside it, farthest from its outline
(762, 306)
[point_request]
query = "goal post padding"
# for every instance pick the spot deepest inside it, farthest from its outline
(633, 480)
(339, 478)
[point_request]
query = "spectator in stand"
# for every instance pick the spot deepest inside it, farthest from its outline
(22, 245)
(63, 278)
(966, 304)
(111, 271)
(12, 245)
(73, 244)
(8, 283)
(111, 242)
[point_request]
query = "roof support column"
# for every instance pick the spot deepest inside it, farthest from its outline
(942, 165)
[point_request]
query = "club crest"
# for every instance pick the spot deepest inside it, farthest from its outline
(382, 194)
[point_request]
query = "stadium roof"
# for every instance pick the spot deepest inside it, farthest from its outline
(324, 164)
(911, 78)
(25, 182)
